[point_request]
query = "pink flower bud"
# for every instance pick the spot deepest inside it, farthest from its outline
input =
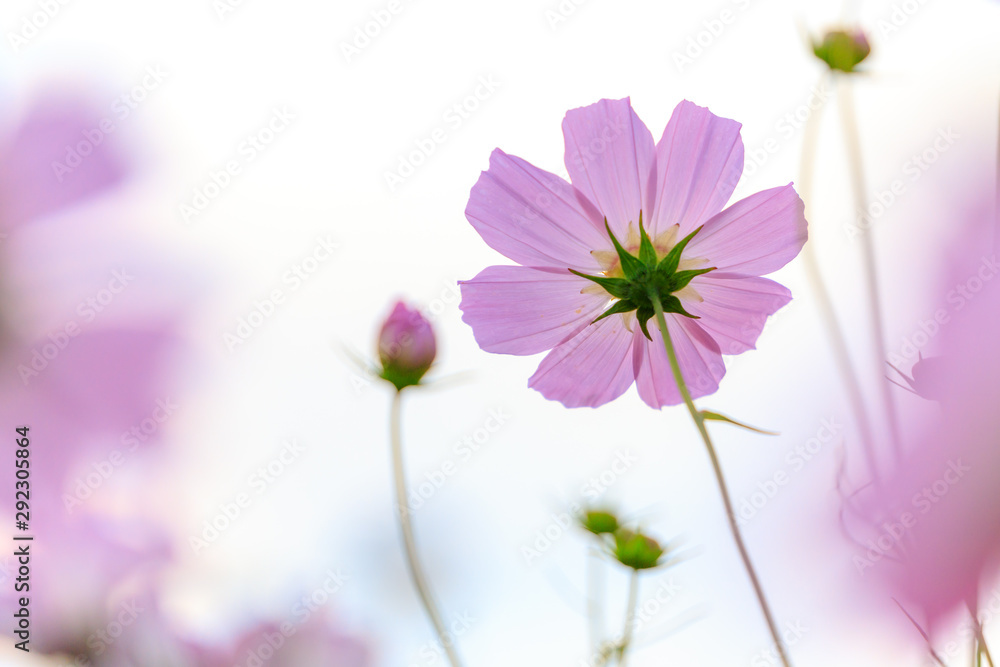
(406, 346)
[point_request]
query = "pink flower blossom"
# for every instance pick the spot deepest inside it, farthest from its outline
(550, 227)
(406, 346)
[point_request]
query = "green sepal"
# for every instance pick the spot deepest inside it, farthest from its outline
(616, 287)
(631, 266)
(680, 280)
(647, 252)
(622, 306)
(670, 263)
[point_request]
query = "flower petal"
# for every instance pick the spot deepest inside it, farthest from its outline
(611, 159)
(520, 310)
(534, 217)
(699, 161)
(735, 308)
(754, 236)
(590, 369)
(699, 358)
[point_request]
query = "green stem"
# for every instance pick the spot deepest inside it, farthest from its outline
(828, 315)
(633, 601)
(853, 145)
(406, 527)
(699, 421)
(984, 650)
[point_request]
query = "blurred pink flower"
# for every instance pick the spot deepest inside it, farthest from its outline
(406, 346)
(620, 177)
(938, 518)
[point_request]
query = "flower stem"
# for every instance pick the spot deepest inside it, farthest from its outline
(633, 601)
(699, 421)
(835, 333)
(406, 527)
(853, 145)
(595, 595)
(984, 650)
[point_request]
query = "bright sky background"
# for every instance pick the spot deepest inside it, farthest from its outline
(225, 77)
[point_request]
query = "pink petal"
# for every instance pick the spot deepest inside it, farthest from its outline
(533, 217)
(699, 161)
(754, 236)
(590, 369)
(697, 353)
(520, 310)
(58, 157)
(735, 308)
(611, 159)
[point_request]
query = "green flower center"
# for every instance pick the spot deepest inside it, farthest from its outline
(646, 276)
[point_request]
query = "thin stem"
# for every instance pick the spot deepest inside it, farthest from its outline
(828, 315)
(923, 633)
(983, 648)
(853, 145)
(699, 421)
(406, 527)
(595, 594)
(633, 601)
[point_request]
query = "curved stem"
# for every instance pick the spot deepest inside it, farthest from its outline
(699, 421)
(853, 145)
(406, 527)
(828, 315)
(633, 601)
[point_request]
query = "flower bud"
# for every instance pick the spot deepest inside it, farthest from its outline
(599, 522)
(843, 50)
(637, 551)
(406, 347)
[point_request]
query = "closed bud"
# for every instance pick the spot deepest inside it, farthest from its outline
(406, 347)
(598, 522)
(637, 551)
(843, 50)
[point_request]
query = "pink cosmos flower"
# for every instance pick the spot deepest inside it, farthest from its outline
(626, 186)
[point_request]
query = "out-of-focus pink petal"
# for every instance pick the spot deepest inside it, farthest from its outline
(60, 155)
(533, 217)
(315, 642)
(520, 310)
(735, 308)
(697, 353)
(611, 158)
(699, 161)
(754, 236)
(590, 369)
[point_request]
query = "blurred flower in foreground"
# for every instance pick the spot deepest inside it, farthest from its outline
(589, 267)
(938, 515)
(843, 50)
(406, 347)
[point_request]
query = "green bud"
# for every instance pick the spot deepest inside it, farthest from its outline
(843, 50)
(637, 551)
(598, 522)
